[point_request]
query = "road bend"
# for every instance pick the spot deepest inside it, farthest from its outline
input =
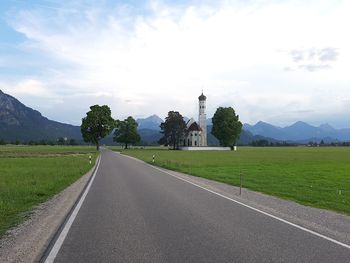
(136, 213)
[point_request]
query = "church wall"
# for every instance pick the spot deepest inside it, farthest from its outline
(194, 140)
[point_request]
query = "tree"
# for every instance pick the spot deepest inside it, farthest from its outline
(261, 143)
(97, 124)
(226, 126)
(126, 132)
(72, 142)
(173, 129)
(60, 141)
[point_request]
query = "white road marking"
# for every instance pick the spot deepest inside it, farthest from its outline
(245, 205)
(57, 246)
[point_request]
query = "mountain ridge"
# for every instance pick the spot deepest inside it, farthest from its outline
(22, 123)
(152, 122)
(298, 131)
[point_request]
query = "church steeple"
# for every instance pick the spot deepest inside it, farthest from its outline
(202, 119)
(202, 97)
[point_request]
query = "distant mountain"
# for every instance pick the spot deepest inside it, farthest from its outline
(149, 136)
(263, 129)
(151, 123)
(298, 132)
(245, 138)
(19, 122)
(150, 132)
(149, 129)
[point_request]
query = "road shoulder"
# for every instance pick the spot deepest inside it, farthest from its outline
(29, 240)
(325, 222)
(328, 223)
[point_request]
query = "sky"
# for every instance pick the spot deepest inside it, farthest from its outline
(274, 61)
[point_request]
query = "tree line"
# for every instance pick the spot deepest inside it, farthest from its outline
(59, 141)
(99, 123)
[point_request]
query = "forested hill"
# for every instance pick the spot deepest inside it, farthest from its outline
(19, 122)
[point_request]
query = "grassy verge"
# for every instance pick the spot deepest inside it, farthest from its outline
(31, 175)
(318, 177)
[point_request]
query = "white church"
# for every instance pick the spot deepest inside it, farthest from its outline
(196, 133)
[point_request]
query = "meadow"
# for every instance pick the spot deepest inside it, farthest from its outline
(314, 176)
(30, 175)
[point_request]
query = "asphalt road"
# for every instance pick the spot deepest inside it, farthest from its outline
(135, 213)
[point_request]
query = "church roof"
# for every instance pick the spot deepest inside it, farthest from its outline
(194, 127)
(189, 122)
(202, 97)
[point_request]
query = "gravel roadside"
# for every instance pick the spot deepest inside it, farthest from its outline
(28, 241)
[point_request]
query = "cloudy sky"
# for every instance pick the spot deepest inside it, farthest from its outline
(276, 61)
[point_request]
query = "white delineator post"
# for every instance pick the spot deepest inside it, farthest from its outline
(202, 119)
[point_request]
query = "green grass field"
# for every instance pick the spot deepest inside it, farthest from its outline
(310, 176)
(30, 175)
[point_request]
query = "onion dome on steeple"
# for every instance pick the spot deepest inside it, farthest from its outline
(202, 97)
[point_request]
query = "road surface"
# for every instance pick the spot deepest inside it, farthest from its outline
(136, 213)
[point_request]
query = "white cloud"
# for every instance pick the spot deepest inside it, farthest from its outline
(160, 60)
(31, 87)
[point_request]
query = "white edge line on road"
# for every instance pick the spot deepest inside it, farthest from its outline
(57, 246)
(248, 206)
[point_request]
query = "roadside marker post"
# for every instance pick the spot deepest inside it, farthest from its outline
(240, 183)
(153, 158)
(90, 159)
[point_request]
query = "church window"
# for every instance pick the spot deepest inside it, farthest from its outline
(195, 143)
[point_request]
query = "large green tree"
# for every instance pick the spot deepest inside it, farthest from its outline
(97, 124)
(226, 126)
(126, 132)
(173, 129)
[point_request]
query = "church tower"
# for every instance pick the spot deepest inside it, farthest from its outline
(203, 119)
